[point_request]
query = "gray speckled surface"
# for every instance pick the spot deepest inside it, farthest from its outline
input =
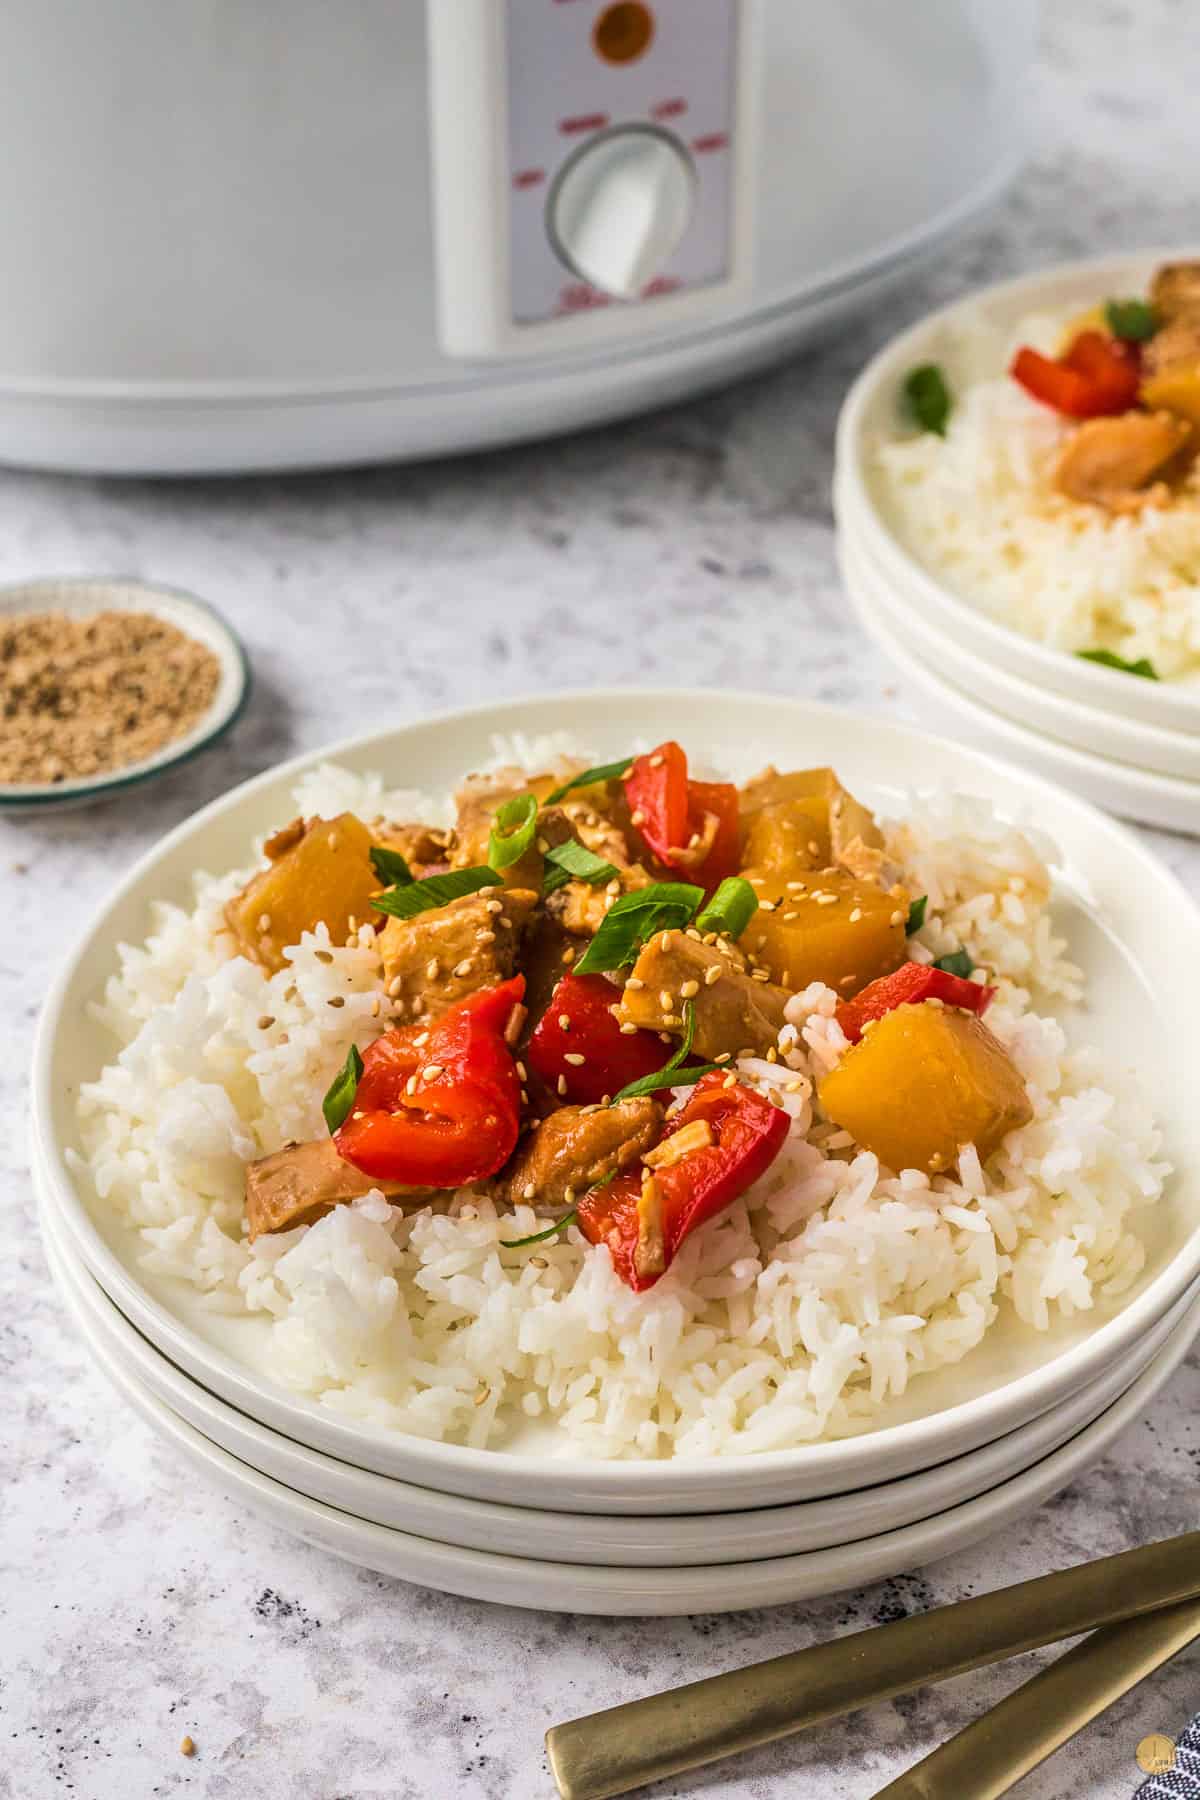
(137, 1606)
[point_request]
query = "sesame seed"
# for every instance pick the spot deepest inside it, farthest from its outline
(772, 1054)
(464, 967)
(410, 1086)
(493, 906)
(897, 918)
(638, 817)
(264, 921)
(504, 922)
(664, 942)
(564, 1021)
(794, 1087)
(575, 1059)
(693, 934)
(431, 1071)
(266, 1022)
(569, 1195)
(421, 1038)
(730, 1080)
(814, 849)
(934, 1001)
(432, 969)
(767, 905)
(760, 974)
(689, 990)
(724, 1057)
(529, 1190)
(562, 1086)
(482, 1395)
(665, 999)
(713, 975)
(790, 915)
(337, 1000)
(856, 915)
(484, 936)
(522, 1072)
(614, 887)
(525, 1096)
(187, 1746)
(352, 924)
(376, 1007)
(664, 1037)
(541, 845)
(323, 956)
(656, 761)
(538, 1262)
(710, 937)
(826, 899)
(672, 1018)
(629, 1030)
(847, 981)
(797, 887)
(568, 954)
(634, 982)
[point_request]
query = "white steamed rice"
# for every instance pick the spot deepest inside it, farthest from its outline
(979, 508)
(793, 1317)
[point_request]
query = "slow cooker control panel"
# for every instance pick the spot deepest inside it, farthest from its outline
(590, 166)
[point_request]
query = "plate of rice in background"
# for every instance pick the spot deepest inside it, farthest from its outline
(1021, 472)
(829, 1318)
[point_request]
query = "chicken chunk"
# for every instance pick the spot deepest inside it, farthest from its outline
(732, 1010)
(1125, 462)
(319, 872)
(439, 956)
(1175, 289)
(1171, 369)
(576, 1147)
(301, 1183)
(425, 848)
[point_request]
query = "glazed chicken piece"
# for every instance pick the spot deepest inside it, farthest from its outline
(425, 848)
(732, 1010)
(301, 1183)
(1125, 462)
(577, 1146)
(1175, 289)
(439, 956)
(319, 871)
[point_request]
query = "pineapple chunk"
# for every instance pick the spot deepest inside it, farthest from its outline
(827, 926)
(319, 870)
(924, 1082)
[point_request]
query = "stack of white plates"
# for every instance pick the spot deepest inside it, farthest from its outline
(1125, 742)
(967, 1449)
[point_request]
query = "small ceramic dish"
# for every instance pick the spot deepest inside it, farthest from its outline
(623, 1591)
(82, 595)
(664, 1539)
(1129, 924)
(870, 414)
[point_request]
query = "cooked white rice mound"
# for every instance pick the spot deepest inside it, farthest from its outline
(978, 507)
(793, 1317)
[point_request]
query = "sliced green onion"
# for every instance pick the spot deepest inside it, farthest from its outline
(340, 1098)
(539, 1237)
(1109, 659)
(957, 963)
(927, 397)
(573, 861)
(916, 915)
(731, 908)
(666, 1076)
(390, 866)
(633, 919)
(513, 829)
(602, 772)
(436, 890)
(1133, 320)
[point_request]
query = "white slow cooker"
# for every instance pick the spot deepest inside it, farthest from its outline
(300, 233)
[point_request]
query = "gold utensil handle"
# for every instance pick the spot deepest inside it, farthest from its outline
(1005, 1743)
(611, 1752)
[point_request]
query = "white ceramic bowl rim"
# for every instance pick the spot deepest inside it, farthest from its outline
(1106, 688)
(921, 1437)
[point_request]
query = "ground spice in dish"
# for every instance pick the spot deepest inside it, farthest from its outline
(80, 696)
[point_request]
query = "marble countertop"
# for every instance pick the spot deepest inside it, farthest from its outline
(695, 545)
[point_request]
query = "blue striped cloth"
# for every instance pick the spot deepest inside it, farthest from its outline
(1183, 1781)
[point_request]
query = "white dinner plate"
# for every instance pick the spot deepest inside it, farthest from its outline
(1098, 731)
(672, 1540)
(1164, 800)
(622, 1591)
(871, 413)
(1129, 922)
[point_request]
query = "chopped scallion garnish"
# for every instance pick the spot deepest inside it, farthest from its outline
(540, 1237)
(436, 890)
(916, 915)
(574, 861)
(390, 866)
(957, 963)
(1133, 320)
(340, 1098)
(927, 397)
(588, 777)
(667, 1076)
(633, 919)
(1108, 659)
(731, 908)
(513, 829)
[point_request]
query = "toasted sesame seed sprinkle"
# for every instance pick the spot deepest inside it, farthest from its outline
(564, 1021)
(767, 905)
(897, 918)
(814, 849)
(410, 1086)
(421, 1038)
(529, 1190)
(637, 817)
(568, 954)
(730, 1080)
(575, 1058)
(562, 1085)
(522, 1072)
(482, 1395)
(793, 914)
(336, 1000)
(725, 1056)
(524, 1096)
(666, 999)
(629, 1030)
(484, 936)
(264, 921)
(826, 899)
(656, 761)
(464, 967)
(432, 969)
(760, 974)
(569, 1195)
(713, 975)
(493, 906)
(794, 1087)
(634, 982)
(797, 887)
(266, 1021)
(772, 1054)
(431, 1071)
(689, 990)
(856, 915)
(323, 956)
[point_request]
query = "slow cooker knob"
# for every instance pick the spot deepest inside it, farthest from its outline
(620, 207)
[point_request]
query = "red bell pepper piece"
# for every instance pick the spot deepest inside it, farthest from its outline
(612, 1058)
(668, 810)
(457, 1125)
(748, 1133)
(1096, 376)
(908, 986)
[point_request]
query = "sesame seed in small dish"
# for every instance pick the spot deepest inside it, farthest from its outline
(106, 682)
